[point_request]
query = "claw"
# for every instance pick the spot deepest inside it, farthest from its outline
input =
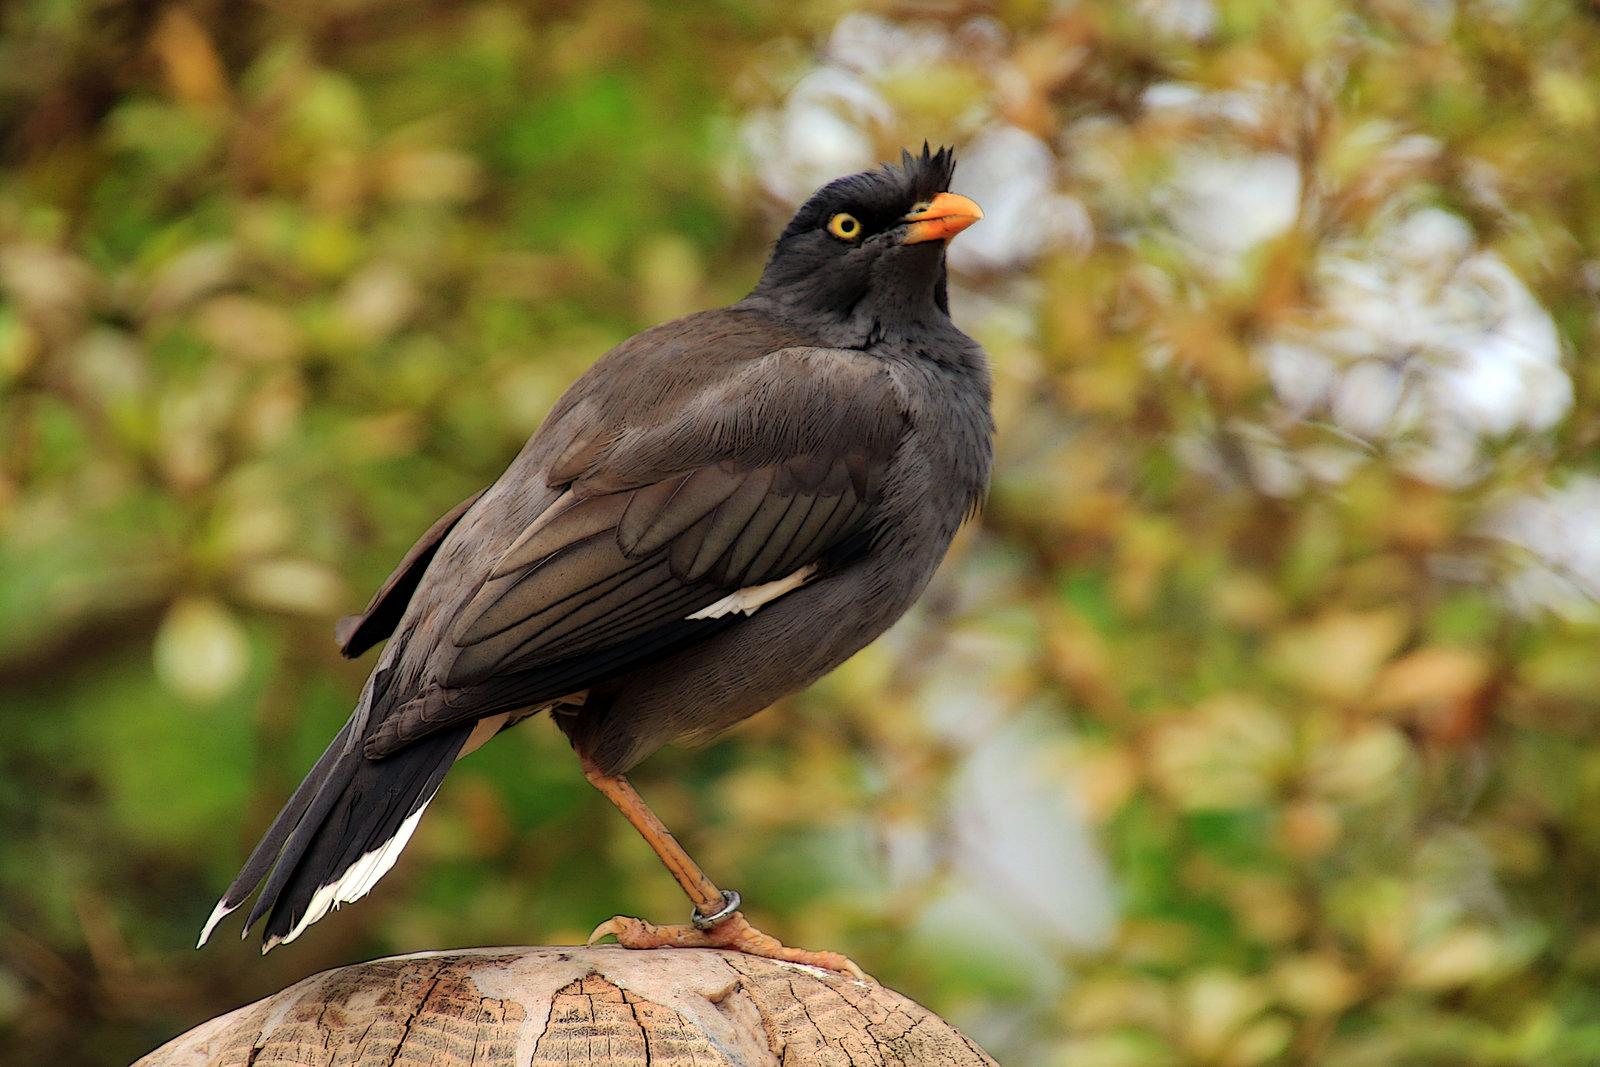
(615, 926)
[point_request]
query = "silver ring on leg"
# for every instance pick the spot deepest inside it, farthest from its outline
(730, 904)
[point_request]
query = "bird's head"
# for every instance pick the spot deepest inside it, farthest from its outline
(867, 251)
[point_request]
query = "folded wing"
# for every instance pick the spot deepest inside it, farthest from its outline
(637, 557)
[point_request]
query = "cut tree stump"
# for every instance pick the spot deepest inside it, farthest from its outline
(574, 1006)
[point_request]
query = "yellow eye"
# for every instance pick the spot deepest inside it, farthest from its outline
(845, 225)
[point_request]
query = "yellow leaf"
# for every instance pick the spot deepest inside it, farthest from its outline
(201, 651)
(1336, 656)
(1309, 828)
(1459, 957)
(1214, 1005)
(194, 71)
(1428, 678)
(1315, 983)
(1363, 767)
(1228, 753)
(1567, 97)
(297, 586)
(1259, 1042)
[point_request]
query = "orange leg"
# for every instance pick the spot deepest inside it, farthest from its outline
(716, 921)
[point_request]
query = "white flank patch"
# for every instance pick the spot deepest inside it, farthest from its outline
(222, 909)
(751, 597)
(356, 882)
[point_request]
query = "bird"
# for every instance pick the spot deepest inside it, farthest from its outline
(721, 510)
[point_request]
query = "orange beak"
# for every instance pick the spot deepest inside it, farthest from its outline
(947, 215)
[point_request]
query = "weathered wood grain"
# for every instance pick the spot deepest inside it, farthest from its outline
(571, 1006)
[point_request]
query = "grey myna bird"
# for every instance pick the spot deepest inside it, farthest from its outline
(720, 511)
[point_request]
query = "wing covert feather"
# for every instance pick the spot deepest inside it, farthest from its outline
(658, 513)
(567, 521)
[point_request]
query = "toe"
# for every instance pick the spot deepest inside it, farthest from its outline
(619, 927)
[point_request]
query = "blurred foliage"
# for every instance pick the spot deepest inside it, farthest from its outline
(281, 283)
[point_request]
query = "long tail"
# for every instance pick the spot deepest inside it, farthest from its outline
(339, 833)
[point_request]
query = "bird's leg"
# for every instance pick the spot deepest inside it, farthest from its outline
(715, 921)
(702, 891)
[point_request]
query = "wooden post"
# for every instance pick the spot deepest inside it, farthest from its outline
(576, 1006)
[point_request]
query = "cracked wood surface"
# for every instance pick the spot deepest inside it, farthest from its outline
(573, 1006)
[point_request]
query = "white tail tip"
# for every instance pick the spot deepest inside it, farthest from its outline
(221, 910)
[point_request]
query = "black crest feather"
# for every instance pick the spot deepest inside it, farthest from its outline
(882, 195)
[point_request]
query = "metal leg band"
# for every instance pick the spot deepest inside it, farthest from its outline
(730, 904)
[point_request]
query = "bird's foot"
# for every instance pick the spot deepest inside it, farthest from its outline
(734, 932)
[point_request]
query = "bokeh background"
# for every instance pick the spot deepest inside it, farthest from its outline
(1253, 724)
